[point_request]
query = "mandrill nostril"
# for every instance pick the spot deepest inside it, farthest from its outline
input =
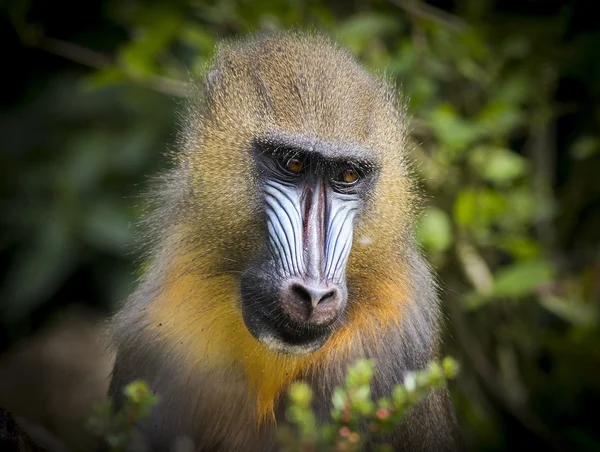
(302, 293)
(312, 296)
(313, 303)
(331, 294)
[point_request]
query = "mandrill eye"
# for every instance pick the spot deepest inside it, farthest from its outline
(294, 165)
(349, 176)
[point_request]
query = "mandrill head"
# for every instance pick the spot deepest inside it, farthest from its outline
(293, 180)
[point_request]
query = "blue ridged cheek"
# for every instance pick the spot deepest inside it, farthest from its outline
(284, 222)
(285, 214)
(340, 229)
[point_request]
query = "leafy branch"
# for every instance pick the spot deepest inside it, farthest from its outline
(34, 37)
(116, 428)
(355, 417)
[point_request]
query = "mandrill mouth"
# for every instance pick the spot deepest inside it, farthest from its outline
(292, 343)
(291, 316)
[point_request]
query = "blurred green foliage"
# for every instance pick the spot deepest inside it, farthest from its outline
(115, 429)
(505, 118)
(354, 409)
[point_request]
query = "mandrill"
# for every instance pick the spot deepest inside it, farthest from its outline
(281, 250)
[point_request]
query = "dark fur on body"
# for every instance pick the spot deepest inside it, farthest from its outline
(306, 86)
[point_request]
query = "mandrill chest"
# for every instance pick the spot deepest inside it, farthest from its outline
(239, 410)
(233, 395)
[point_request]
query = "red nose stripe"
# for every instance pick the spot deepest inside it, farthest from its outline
(314, 215)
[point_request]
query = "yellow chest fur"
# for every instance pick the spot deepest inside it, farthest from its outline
(201, 320)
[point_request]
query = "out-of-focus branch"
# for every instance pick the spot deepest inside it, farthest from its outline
(96, 60)
(73, 52)
(475, 267)
(541, 149)
(424, 11)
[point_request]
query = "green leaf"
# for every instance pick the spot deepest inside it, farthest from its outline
(498, 165)
(514, 89)
(500, 118)
(435, 230)
(356, 31)
(198, 38)
(516, 47)
(571, 310)
(422, 90)
(465, 207)
(472, 41)
(521, 248)
(300, 394)
(136, 60)
(104, 77)
(585, 147)
(522, 279)
(155, 29)
(453, 131)
(450, 367)
(403, 60)
(339, 398)
(478, 208)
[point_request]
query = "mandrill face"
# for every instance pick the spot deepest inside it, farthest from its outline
(315, 146)
(294, 297)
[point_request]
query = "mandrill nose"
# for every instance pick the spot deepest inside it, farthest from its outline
(311, 302)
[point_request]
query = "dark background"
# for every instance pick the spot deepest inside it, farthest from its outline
(504, 99)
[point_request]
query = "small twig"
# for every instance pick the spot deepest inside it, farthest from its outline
(73, 52)
(541, 149)
(166, 85)
(475, 267)
(418, 34)
(424, 11)
(93, 59)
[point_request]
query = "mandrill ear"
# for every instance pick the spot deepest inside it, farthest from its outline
(210, 82)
